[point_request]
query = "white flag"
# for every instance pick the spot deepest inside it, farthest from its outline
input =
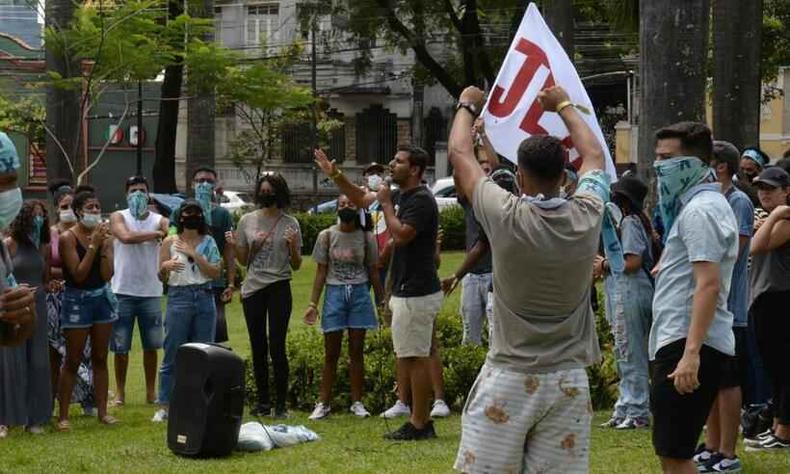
(534, 62)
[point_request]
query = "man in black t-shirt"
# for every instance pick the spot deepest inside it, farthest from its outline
(416, 295)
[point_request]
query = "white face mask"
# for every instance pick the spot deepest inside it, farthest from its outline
(374, 182)
(91, 220)
(67, 216)
(10, 204)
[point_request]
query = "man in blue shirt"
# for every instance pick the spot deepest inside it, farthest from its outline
(691, 337)
(721, 436)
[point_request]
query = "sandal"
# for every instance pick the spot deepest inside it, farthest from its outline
(63, 426)
(108, 420)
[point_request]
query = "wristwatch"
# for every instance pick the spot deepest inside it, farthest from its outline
(472, 108)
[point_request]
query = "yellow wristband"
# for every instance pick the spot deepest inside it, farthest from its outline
(336, 173)
(563, 104)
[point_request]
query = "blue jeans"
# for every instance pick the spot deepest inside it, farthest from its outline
(629, 311)
(190, 317)
(474, 298)
(148, 311)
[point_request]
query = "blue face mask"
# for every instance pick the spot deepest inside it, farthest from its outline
(35, 232)
(138, 204)
(676, 176)
(203, 193)
(10, 204)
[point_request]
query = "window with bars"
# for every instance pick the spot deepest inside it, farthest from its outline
(263, 24)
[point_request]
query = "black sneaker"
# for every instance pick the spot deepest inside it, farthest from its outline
(280, 413)
(707, 464)
(261, 409)
(772, 443)
(408, 432)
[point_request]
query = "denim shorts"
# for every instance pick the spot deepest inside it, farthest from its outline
(148, 311)
(348, 307)
(82, 309)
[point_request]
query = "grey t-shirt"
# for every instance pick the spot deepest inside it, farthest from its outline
(543, 259)
(704, 231)
(270, 262)
(348, 255)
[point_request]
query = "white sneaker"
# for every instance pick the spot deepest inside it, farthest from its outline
(35, 429)
(3, 431)
(358, 409)
(440, 409)
(160, 416)
(396, 410)
(320, 411)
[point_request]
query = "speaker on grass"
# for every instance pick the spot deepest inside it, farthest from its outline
(207, 401)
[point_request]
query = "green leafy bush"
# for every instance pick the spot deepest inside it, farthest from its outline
(451, 219)
(461, 365)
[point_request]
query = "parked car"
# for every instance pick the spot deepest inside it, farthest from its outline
(236, 201)
(444, 192)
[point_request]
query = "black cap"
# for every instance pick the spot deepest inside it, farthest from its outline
(774, 177)
(632, 188)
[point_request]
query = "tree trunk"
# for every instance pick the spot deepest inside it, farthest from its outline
(63, 106)
(201, 111)
(165, 162)
(559, 17)
(673, 40)
(736, 73)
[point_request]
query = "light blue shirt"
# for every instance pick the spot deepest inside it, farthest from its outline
(738, 302)
(704, 231)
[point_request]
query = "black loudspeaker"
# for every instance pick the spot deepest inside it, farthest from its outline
(207, 401)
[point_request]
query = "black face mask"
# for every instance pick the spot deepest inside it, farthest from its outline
(347, 215)
(192, 222)
(267, 200)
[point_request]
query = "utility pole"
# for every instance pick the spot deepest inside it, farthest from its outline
(139, 128)
(313, 30)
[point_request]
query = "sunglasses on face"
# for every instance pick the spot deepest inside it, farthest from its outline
(204, 180)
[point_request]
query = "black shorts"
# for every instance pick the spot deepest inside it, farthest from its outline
(678, 419)
(734, 367)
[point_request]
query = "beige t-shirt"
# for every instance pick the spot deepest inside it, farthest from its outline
(542, 259)
(272, 261)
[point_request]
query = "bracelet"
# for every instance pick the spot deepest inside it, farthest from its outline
(312, 305)
(336, 173)
(563, 104)
(91, 247)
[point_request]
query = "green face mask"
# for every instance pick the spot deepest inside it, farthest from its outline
(138, 204)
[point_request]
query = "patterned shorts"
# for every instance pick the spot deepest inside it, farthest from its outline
(532, 423)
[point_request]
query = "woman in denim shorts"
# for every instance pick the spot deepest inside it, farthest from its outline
(188, 261)
(346, 256)
(88, 303)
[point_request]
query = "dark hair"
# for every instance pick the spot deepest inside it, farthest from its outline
(695, 138)
(727, 153)
(190, 204)
(282, 194)
(59, 188)
(81, 195)
(204, 169)
(417, 156)
(136, 179)
(784, 163)
(543, 156)
(786, 154)
(21, 226)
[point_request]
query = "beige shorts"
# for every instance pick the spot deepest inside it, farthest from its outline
(526, 423)
(412, 323)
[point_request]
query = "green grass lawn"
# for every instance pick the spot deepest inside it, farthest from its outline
(347, 444)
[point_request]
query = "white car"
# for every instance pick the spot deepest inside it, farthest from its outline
(236, 201)
(444, 192)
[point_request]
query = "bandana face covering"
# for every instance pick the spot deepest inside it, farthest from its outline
(203, 193)
(138, 204)
(676, 176)
(35, 231)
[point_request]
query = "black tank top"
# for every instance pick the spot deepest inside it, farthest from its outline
(94, 279)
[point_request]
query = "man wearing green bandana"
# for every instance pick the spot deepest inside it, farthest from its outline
(691, 336)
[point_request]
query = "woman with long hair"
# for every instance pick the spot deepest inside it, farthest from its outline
(268, 242)
(770, 292)
(25, 392)
(346, 257)
(629, 300)
(89, 307)
(62, 196)
(188, 261)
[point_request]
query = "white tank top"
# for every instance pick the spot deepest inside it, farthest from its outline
(191, 274)
(137, 265)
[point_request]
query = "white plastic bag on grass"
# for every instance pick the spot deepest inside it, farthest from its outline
(254, 436)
